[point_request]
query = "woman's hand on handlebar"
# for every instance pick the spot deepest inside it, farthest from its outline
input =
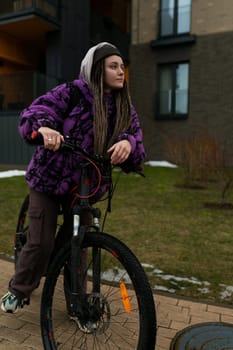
(52, 138)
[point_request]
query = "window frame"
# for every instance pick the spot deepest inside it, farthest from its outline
(173, 115)
(175, 32)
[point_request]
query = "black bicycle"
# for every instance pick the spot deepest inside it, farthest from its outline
(96, 294)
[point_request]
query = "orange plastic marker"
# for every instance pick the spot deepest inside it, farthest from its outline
(125, 297)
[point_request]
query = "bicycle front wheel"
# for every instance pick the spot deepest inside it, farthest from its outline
(126, 316)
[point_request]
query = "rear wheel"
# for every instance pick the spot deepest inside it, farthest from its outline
(21, 229)
(120, 316)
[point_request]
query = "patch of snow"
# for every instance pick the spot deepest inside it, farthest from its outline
(228, 292)
(164, 289)
(204, 290)
(162, 163)
(10, 173)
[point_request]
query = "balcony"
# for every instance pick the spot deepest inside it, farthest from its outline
(29, 19)
(18, 90)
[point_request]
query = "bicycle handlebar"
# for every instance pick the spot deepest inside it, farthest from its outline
(37, 138)
(99, 160)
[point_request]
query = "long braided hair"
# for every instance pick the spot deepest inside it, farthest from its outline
(122, 104)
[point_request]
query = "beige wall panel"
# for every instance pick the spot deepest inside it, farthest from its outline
(212, 16)
(144, 20)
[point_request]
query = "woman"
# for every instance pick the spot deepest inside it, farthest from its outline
(102, 121)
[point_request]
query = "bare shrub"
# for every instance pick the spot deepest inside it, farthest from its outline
(196, 155)
(202, 158)
(224, 174)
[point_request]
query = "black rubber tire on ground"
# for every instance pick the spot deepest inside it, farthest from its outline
(118, 329)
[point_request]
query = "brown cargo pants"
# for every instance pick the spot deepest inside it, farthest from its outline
(35, 255)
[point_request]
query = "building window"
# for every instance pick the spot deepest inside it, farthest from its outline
(175, 17)
(173, 91)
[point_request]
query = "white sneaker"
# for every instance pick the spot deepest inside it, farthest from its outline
(11, 303)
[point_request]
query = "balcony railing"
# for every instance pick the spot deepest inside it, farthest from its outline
(47, 7)
(19, 90)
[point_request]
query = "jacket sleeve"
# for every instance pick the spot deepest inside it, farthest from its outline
(46, 110)
(134, 136)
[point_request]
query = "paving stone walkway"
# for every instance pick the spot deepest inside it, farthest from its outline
(22, 331)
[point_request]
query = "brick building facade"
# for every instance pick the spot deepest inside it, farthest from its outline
(181, 70)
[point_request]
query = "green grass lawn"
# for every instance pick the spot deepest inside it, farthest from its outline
(186, 248)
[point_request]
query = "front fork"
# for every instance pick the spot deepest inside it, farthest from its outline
(78, 268)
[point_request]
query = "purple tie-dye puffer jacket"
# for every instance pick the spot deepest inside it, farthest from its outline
(55, 172)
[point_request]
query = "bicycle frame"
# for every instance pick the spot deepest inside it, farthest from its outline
(82, 205)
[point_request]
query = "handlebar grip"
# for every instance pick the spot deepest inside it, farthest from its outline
(37, 137)
(34, 135)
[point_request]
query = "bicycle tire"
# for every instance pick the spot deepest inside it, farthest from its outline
(118, 328)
